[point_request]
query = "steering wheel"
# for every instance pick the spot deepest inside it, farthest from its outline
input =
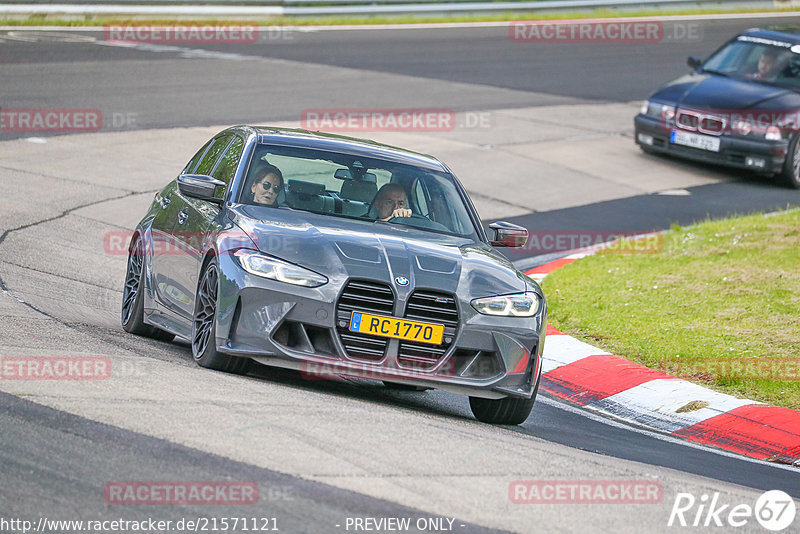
(414, 216)
(420, 221)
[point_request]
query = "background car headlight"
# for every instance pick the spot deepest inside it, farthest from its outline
(656, 109)
(742, 127)
(262, 265)
(773, 133)
(517, 305)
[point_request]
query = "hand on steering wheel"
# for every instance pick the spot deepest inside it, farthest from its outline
(401, 212)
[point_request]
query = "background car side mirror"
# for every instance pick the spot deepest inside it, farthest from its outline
(508, 235)
(694, 62)
(200, 186)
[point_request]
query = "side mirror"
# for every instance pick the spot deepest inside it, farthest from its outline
(694, 62)
(508, 235)
(200, 186)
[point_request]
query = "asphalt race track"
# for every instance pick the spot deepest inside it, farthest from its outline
(543, 138)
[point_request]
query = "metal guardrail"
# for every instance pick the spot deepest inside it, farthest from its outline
(266, 8)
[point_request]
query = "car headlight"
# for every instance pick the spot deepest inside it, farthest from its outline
(656, 109)
(517, 305)
(773, 133)
(742, 127)
(262, 265)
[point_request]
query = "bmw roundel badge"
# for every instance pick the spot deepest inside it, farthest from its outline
(401, 281)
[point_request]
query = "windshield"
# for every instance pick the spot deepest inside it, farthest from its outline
(344, 185)
(758, 60)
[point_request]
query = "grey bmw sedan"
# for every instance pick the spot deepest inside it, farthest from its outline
(337, 256)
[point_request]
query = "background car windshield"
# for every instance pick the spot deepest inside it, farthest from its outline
(740, 59)
(344, 185)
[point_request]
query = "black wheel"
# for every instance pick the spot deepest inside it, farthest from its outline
(204, 347)
(404, 387)
(507, 411)
(790, 176)
(133, 301)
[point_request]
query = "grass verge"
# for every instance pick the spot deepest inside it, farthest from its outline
(91, 20)
(719, 305)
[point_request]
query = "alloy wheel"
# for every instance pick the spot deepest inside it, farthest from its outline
(133, 278)
(205, 310)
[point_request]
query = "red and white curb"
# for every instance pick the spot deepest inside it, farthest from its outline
(596, 380)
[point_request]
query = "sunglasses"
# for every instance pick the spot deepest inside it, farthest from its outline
(267, 185)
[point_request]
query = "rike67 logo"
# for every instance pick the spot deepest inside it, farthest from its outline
(774, 510)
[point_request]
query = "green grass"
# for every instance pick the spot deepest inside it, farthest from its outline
(718, 305)
(42, 20)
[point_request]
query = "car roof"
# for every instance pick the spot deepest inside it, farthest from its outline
(786, 34)
(365, 148)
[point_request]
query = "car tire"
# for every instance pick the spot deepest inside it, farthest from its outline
(790, 177)
(132, 313)
(404, 387)
(204, 323)
(507, 411)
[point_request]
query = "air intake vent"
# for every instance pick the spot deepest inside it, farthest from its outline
(370, 297)
(431, 307)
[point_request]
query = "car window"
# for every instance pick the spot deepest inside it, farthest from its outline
(213, 154)
(344, 185)
(196, 158)
(740, 59)
(227, 165)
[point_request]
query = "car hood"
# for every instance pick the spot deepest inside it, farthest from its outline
(710, 91)
(342, 248)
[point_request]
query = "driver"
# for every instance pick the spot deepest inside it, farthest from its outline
(391, 201)
(767, 65)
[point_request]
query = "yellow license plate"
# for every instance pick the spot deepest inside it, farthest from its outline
(379, 325)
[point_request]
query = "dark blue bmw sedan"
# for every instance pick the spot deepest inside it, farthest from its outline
(739, 108)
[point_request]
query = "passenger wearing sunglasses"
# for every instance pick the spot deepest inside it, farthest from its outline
(266, 188)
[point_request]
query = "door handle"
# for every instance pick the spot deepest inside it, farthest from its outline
(182, 216)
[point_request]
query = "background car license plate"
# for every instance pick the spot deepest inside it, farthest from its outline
(379, 325)
(703, 142)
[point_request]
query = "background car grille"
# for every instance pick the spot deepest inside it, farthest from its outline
(712, 125)
(688, 121)
(699, 122)
(371, 297)
(430, 307)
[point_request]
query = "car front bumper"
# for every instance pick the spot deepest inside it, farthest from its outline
(295, 327)
(755, 154)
